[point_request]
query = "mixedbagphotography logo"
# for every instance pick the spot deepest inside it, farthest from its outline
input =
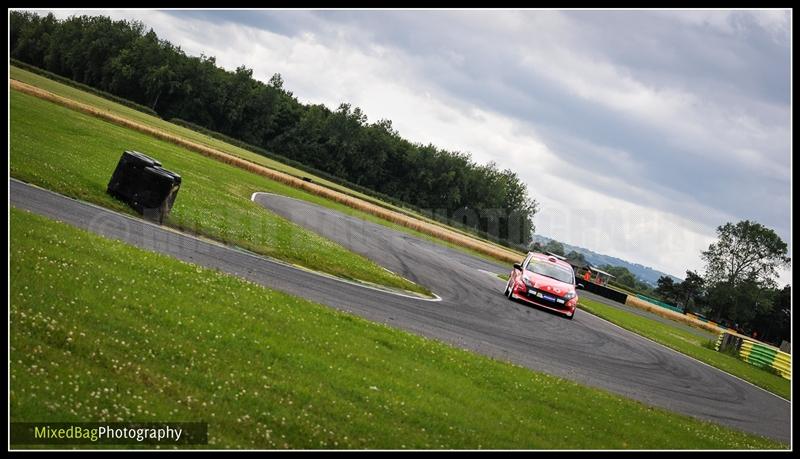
(109, 433)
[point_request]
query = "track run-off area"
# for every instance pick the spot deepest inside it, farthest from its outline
(470, 311)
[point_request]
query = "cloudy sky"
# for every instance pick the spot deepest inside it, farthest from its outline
(638, 132)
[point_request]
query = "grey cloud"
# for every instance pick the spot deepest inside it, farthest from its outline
(756, 78)
(256, 19)
(662, 51)
(558, 117)
(746, 70)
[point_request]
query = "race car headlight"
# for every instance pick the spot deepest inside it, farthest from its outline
(570, 295)
(526, 280)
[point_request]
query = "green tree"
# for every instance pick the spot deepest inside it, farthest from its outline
(623, 276)
(666, 288)
(644, 288)
(774, 325)
(276, 81)
(555, 247)
(690, 290)
(740, 265)
(575, 256)
(627, 279)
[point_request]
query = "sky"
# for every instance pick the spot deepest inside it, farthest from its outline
(638, 132)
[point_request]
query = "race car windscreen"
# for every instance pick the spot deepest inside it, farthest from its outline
(551, 270)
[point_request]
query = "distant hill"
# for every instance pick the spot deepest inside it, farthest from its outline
(643, 273)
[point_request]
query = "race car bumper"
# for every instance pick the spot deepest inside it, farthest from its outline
(567, 308)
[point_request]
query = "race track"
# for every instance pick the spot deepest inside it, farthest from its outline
(472, 314)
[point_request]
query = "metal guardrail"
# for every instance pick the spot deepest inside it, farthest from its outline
(758, 354)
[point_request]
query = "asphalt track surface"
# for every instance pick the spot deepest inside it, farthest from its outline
(472, 313)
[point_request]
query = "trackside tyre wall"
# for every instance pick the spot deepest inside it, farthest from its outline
(605, 292)
(143, 184)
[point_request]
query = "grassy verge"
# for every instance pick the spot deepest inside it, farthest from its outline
(103, 331)
(689, 344)
(144, 119)
(172, 128)
(505, 277)
(75, 154)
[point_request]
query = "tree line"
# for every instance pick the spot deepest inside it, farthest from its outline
(128, 61)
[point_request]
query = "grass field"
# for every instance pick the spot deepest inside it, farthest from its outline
(75, 154)
(158, 123)
(103, 331)
(78, 153)
(689, 344)
(107, 106)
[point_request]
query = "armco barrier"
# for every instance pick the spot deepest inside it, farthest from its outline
(761, 355)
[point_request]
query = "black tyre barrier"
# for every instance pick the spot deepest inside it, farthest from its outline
(143, 184)
(604, 291)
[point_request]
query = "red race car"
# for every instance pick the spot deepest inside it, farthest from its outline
(544, 281)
